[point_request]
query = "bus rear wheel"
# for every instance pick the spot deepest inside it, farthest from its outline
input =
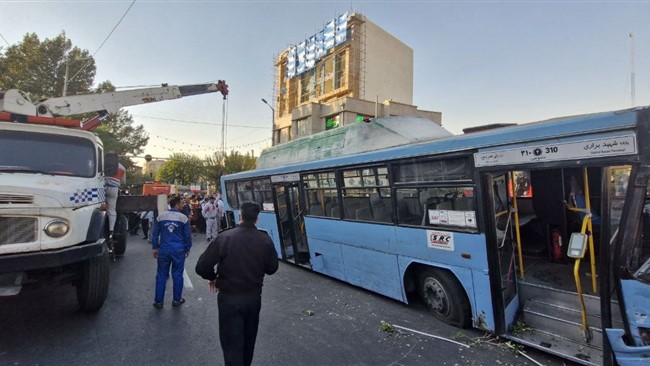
(444, 297)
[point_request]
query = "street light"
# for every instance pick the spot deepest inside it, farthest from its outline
(272, 115)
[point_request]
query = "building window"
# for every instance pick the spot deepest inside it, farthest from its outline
(340, 60)
(285, 134)
(301, 127)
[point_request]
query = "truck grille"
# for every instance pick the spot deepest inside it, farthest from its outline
(15, 199)
(17, 230)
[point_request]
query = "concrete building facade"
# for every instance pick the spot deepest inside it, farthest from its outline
(367, 73)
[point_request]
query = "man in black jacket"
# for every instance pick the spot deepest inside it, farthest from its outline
(242, 256)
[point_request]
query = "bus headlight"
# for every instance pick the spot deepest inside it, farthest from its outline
(56, 228)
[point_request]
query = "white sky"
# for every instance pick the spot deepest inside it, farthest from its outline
(477, 62)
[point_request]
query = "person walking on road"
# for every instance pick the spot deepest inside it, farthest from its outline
(243, 255)
(171, 240)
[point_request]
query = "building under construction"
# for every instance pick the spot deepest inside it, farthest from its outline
(349, 72)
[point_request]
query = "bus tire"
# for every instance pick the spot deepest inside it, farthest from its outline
(92, 287)
(119, 234)
(444, 297)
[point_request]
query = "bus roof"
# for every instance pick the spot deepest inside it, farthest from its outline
(534, 131)
(353, 139)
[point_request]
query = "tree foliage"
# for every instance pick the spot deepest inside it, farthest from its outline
(38, 68)
(220, 164)
(182, 168)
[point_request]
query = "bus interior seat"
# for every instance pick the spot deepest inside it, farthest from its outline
(380, 211)
(363, 214)
(463, 203)
(329, 204)
(316, 210)
(334, 212)
(350, 207)
(445, 205)
(404, 212)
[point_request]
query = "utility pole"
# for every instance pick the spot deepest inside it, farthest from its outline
(65, 80)
(632, 70)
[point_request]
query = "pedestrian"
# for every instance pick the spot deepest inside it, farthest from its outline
(221, 215)
(242, 256)
(211, 214)
(146, 220)
(171, 240)
(186, 209)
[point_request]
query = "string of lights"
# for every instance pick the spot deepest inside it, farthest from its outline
(194, 148)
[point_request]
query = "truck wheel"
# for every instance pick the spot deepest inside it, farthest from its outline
(120, 234)
(93, 283)
(445, 297)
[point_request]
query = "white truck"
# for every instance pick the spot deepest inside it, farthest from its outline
(52, 218)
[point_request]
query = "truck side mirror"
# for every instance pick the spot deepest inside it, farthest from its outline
(110, 164)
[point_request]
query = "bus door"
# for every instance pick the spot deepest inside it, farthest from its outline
(500, 222)
(291, 223)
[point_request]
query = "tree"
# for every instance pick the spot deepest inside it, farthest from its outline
(182, 168)
(219, 164)
(38, 68)
(236, 162)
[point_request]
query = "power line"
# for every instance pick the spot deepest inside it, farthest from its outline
(3, 38)
(196, 122)
(102, 45)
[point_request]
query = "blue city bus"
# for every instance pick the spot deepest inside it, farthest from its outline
(537, 232)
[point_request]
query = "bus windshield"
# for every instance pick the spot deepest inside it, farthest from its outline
(28, 152)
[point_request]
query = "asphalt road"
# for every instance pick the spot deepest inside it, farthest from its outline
(307, 319)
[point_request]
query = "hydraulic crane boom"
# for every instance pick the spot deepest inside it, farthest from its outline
(19, 105)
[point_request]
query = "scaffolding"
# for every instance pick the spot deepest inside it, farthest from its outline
(340, 73)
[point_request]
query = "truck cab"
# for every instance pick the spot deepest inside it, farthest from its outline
(51, 220)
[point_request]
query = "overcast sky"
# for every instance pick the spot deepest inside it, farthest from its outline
(477, 62)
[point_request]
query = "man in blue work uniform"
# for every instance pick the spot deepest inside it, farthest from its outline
(171, 240)
(242, 256)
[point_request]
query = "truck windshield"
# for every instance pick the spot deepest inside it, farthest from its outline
(29, 152)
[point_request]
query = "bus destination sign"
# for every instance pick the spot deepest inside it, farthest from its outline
(587, 149)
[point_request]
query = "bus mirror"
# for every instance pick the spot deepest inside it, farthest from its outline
(110, 164)
(577, 245)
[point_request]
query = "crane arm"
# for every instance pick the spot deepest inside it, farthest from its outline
(111, 102)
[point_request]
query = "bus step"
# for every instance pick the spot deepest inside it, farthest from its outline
(567, 322)
(578, 352)
(566, 299)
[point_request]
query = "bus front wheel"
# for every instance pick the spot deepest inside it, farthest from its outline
(444, 297)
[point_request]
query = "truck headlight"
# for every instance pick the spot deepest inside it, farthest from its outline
(56, 228)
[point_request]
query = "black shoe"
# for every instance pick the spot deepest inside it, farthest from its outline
(158, 305)
(145, 238)
(178, 303)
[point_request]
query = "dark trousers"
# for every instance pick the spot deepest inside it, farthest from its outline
(134, 222)
(239, 316)
(174, 258)
(145, 227)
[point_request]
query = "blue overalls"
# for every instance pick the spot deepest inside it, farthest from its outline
(172, 236)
